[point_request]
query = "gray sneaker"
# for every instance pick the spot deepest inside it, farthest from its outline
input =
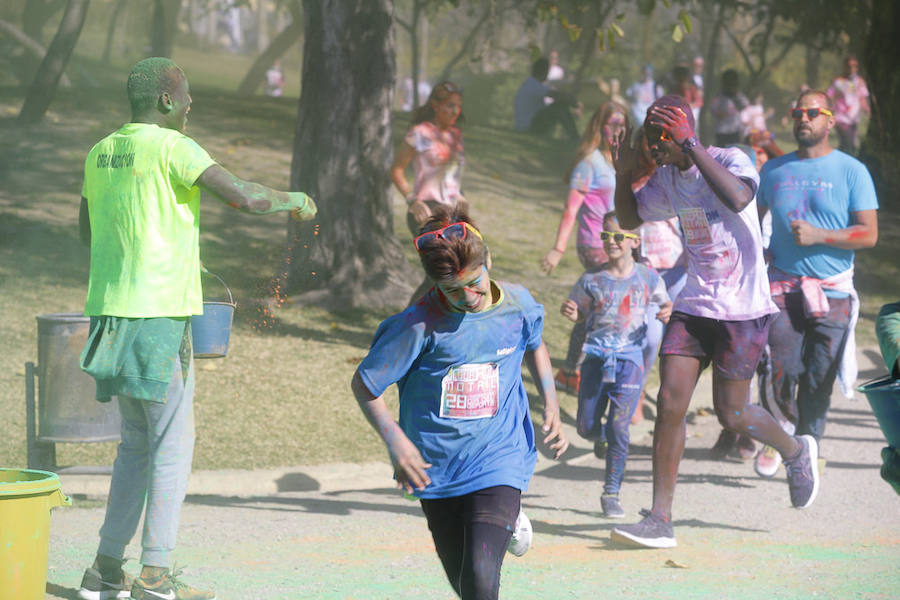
(96, 585)
(803, 472)
(651, 532)
(611, 507)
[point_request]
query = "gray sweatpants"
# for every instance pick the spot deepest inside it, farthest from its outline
(152, 466)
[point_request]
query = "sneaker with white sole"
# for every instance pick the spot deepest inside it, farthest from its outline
(803, 472)
(651, 532)
(522, 535)
(167, 587)
(105, 586)
(767, 462)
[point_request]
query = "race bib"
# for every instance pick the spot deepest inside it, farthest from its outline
(695, 226)
(471, 392)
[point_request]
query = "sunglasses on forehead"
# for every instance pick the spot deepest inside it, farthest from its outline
(617, 236)
(453, 231)
(812, 113)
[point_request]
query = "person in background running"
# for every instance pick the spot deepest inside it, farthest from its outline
(592, 184)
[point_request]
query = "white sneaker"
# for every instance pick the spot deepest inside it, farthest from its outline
(767, 462)
(521, 537)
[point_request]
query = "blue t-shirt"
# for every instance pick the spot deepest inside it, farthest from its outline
(615, 310)
(823, 191)
(462, 400)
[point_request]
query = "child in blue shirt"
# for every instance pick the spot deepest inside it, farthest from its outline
(464, 444)
(613, 301)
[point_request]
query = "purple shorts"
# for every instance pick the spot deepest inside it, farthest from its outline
(734, 347)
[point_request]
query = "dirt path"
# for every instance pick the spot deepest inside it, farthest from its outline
(342, 532)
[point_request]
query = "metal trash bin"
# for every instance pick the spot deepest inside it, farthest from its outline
(66, 409)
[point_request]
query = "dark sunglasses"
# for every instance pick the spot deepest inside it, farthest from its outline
(453, 231)
(617, 236)
(812, 113)
(654, 135)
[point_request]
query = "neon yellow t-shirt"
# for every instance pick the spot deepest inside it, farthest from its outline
(145, 223)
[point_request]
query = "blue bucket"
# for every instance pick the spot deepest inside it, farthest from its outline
(211, 330)
(884, 396)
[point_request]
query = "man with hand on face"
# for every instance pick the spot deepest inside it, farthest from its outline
(723, 313)
(140, 210)
(823, 208)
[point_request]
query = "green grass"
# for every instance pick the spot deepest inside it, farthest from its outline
(282, 396)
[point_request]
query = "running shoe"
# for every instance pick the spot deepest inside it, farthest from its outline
(611, 507)
(767, 462)
(803, 472)
(96, 585)
(522, 535)
(651, 532)
(167, 587)
(568, 382)
(724, 445)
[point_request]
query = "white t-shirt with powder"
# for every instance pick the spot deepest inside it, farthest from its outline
(726, 277)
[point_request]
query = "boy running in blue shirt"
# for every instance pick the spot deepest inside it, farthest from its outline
(464, 444)
(613, 300)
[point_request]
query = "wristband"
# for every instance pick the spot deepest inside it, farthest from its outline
(304, 203)
(410, 198)
(688, 144)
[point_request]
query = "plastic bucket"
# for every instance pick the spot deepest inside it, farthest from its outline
(26, 497)
(884, 396)
(211, 330)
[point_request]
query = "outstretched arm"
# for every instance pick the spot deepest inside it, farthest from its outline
(566, 223)
(734, 192)
(256, 198)
(409, 466)
(538, 362)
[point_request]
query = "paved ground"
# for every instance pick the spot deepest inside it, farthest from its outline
(343, 532)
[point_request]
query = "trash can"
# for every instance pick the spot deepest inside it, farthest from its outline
(26, 497)
(66, 409)
(884, 396)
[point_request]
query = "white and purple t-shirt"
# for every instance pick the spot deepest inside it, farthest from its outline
(596, 178)
(848, 95)
(726, 276)
(438, 162)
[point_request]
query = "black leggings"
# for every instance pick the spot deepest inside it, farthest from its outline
(471, 534)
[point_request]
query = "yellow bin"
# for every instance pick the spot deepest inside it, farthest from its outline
(26, 497)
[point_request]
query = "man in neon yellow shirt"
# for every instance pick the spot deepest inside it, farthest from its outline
(140, 214)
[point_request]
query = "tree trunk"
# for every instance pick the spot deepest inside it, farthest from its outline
(35, 15)
(43, 88)
(342, 156)
(31, 46)
(466, 46)
(813, 62)
(880, 148)
(414, 50)
(256, 75)
(111, 29)
(165, 23)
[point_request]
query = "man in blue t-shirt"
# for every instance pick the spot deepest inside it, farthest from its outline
(531, 114)
(823, 208)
